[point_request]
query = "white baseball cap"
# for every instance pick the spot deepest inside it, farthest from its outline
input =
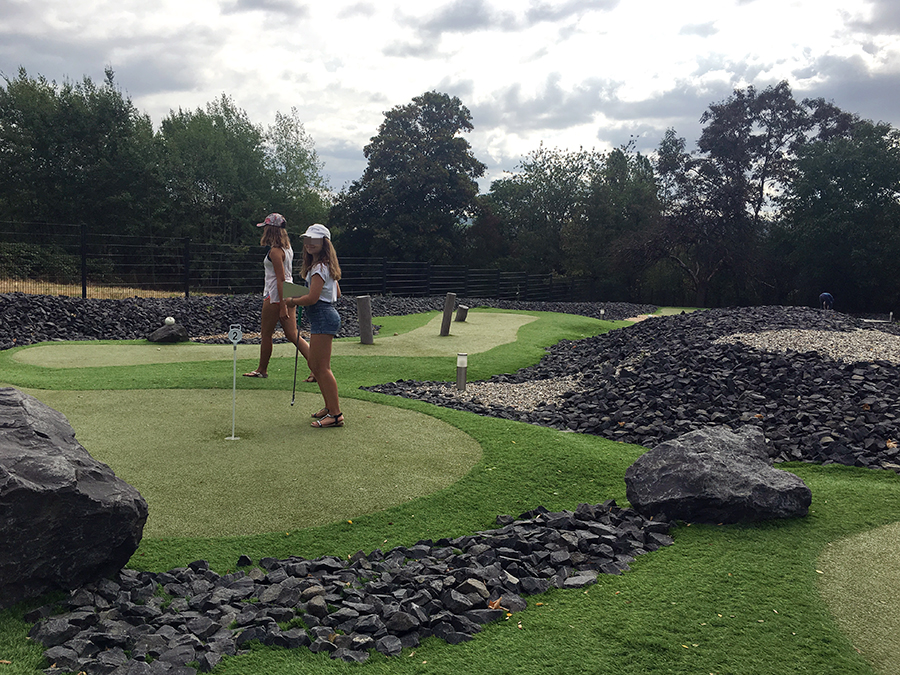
(317, 231)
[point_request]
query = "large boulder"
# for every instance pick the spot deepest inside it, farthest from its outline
(169, 333)
(715, 475)
(65, 518)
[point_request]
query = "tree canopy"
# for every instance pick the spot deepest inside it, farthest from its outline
(418, 188)
(779, 200)
(82, 153)
(74, 153)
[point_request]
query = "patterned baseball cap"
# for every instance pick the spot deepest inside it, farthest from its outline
(273, 219)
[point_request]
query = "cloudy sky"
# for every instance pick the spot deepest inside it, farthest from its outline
(568, 73)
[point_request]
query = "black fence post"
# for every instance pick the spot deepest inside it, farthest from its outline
(83, 261)
(187, 267)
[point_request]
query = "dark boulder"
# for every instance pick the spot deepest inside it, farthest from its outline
(65, 518)
(715, 475)
(169, 333)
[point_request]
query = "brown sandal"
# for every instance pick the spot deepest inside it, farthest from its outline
(338, 421)
(319, 415)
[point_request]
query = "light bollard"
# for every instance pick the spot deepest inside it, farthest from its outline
(462, 362)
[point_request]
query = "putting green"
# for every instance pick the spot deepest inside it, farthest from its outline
(480, 332)
(281, 475)
(861, 584)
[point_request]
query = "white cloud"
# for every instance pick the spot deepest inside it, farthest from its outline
(569, 73)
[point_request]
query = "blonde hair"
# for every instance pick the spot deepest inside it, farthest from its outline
(275, 236)
(327, 256)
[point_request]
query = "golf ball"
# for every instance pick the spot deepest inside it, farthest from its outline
(169, 320)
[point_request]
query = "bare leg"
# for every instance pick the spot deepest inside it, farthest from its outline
(267, 328)
(292, 334)
(320, 364)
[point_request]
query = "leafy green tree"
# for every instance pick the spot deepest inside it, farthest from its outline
(694, 233)
(484, 246)
(218, 177)
(299, 185)
(75, 153)
(540, 200)
(621, 206)
(418, 188)
(720, 203)
(841, 219)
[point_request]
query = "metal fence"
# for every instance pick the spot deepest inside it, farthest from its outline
(54, 259)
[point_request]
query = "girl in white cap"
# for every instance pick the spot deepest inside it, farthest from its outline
(278, 265)
(322, 272)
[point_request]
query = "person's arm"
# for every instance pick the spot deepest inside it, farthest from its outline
(276, 255)
(337, 285)
(316, 284)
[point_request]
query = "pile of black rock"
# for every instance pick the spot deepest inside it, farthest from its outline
(28, 319)
(664, 377)
(176, 622)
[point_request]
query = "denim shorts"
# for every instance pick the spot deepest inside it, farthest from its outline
(323, 318)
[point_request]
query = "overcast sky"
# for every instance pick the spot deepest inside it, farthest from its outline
(570, 73)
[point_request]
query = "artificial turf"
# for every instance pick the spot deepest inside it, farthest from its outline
(722, 599)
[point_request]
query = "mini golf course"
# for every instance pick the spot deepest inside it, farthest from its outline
(735, 599)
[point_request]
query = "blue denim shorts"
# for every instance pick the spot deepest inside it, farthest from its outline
(323, 318)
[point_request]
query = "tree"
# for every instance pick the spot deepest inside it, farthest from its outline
(301, 190)
(218, 176)
(841, 218)
(720, 203)
(693, 233)
(75, 153)
(621, 206)
(538, 201)
(418, 188)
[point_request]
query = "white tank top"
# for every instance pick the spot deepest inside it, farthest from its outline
(271, 283)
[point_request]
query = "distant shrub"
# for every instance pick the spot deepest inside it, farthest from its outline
(31, 261)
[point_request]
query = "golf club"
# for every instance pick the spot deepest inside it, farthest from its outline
(296, 355)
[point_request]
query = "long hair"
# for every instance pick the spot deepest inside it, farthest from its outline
(275, 236)
(327, 256)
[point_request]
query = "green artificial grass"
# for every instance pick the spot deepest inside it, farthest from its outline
(280, 473)
(723, 599)
(481, 332)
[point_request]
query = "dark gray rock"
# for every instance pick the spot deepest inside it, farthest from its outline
(384, 601)
(65, 518)
(389, 645)
(661, 378)
(174, 333)
(714, 475)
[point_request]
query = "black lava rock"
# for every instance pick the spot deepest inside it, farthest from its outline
(664, 377)
(346, 607)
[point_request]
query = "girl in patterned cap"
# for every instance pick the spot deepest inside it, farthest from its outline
(278, 265)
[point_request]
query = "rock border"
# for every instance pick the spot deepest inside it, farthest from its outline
(146, 623)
